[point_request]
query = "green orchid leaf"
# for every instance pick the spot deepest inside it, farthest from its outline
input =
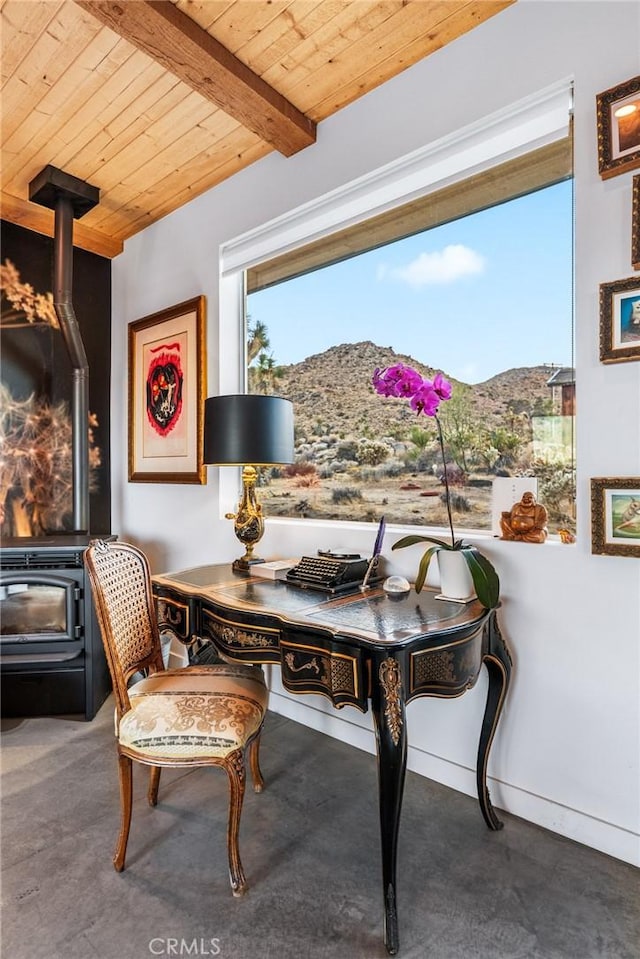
(423, 568)
(412, 540)
(485, 579)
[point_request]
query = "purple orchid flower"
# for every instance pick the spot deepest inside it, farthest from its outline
(442, 387)
(426, 400)
(425, 396)
(397, 380)
(405, 382)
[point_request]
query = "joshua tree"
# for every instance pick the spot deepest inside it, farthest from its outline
(257, 339)
(265, 375)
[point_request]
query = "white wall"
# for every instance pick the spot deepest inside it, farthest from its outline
(567, 752)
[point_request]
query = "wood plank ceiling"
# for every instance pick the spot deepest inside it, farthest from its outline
(156, 102)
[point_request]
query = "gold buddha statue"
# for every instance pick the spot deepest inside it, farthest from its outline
(526, 521)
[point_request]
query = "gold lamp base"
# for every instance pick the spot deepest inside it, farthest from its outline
(248, 522)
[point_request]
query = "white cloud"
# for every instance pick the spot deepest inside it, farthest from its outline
(442, 266)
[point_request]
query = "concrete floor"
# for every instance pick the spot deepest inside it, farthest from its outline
(310, 850)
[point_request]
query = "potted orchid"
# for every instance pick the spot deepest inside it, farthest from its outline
(425, 397)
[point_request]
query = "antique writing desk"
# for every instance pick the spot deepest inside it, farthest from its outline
(360, 649)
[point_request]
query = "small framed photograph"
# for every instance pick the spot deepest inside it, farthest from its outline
(618, 116)
(620, 320)
(166, 395)
(615, 516)
(635, 224)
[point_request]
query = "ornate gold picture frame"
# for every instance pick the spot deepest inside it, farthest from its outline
(615, 516)
(166, 395)
(620, 320)
(618, 120)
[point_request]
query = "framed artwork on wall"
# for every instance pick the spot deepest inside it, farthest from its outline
(618, 120)
(635, 224)
(615, 516)
(166, 395)
(620, 320)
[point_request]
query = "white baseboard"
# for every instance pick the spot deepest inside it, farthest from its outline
(571, 823)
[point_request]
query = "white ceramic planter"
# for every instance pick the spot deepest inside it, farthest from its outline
(455, 578)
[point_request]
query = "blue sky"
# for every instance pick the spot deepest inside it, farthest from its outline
(474, 297)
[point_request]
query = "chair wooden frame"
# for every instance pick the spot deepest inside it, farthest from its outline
(132, 645)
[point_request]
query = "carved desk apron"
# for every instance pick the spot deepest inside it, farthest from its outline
(364, 648)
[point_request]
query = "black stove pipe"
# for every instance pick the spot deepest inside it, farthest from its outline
(62, 301)
(70, 198)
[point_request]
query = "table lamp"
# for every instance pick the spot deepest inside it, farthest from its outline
(249, 431)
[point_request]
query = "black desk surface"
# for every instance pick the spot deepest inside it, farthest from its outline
(370, 615)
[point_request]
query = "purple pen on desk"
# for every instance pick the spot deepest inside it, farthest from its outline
(377, 549)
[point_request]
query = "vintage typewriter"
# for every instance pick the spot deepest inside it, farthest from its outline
(329, 571)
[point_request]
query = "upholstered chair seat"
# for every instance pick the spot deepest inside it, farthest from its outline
(194, 713)
(194, 716)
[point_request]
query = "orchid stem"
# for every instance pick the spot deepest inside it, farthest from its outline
(446, 480)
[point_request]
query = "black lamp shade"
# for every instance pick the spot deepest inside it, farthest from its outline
(246, 429)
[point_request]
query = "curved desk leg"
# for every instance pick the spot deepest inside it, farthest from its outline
(387, 702)
(497, 659)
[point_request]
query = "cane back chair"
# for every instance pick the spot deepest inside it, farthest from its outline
(194, 716)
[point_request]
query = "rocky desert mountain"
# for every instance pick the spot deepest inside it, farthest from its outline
(358, 456)
(332, 393)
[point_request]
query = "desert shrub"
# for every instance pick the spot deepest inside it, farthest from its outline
(419, 437)
(455, 475)
(393, 469)
(307, 480)
(300, 468)
(424, 461)
(345, 494)
(347, 450)
(368, 474)
(376, 474)
(371, 453)
(556, 491)
(459, 503)
(503, 447)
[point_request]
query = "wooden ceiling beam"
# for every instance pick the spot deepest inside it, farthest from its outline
(41, 220)
(173, 39)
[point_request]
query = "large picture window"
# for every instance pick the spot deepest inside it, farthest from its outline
(472, 276)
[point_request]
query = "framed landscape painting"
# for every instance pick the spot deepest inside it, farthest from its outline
(620, 320)
(615, 516)
(166, 395)
(618, 118)
(635, 224)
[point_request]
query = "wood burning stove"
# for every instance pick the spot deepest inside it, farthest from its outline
(51, 656)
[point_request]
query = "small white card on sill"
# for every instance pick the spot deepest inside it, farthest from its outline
(276, 569)
(506, 491)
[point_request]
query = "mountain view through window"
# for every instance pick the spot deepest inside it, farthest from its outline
(485, 299)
